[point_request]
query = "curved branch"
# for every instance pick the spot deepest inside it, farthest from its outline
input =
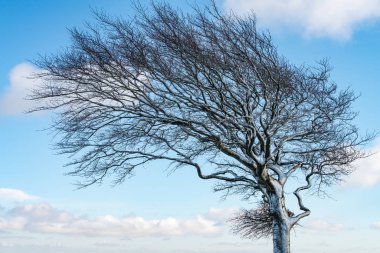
(302, 207)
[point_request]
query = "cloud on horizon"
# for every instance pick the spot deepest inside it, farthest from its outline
(43, 218)
(337, 19)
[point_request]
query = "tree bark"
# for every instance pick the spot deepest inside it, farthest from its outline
(281, 236)
(281, 221)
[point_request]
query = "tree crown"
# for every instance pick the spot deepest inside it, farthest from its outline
(194, 87)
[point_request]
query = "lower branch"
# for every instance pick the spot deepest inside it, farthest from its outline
(253, 224)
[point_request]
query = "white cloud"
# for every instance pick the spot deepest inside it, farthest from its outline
(15, 195)
(367, 170)
(376, 225)
(43, 218)
(221, 215)
(13, 101)
(316, 18)
(322, 225)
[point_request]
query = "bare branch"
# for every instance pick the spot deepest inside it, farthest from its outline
(253, 224)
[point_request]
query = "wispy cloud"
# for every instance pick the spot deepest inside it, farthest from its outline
(221, 215)
(323, 225)
(15, 195)
(336, 19)
(376, 225)
(367, 170)
(43, 218)
(13, 101)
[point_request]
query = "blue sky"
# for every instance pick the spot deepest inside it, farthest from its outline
(41, 210)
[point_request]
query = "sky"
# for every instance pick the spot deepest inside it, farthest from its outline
(41, 210)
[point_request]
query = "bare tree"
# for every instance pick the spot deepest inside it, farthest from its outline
(205, 86)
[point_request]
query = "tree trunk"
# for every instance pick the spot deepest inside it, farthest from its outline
(281, 237)
(281, 222)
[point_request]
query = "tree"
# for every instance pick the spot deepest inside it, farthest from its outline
(198, 87)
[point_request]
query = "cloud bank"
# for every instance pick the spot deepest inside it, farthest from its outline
(13, 101)
(43, 218)
(336, 19)
(29, 214)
